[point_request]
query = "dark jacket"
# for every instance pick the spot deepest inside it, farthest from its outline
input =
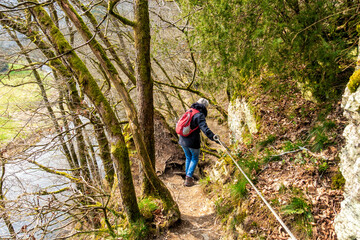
(193, 140)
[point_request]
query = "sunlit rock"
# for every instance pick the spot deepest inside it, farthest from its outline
(347, 222)
(240, 119)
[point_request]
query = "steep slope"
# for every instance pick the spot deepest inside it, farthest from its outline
(293, 159)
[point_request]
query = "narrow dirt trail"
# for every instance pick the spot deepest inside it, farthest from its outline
(197, 212)
(198, 218)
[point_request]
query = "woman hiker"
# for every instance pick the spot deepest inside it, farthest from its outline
(191, 143)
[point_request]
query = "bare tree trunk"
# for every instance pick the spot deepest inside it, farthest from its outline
(104, 149)
(81, 147)
(4, 214)
(66, 127)
(92, 162)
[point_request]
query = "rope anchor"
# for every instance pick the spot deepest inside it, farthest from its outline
(292, 237)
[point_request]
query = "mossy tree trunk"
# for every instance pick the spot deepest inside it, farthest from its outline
(144, 83)
(92, 90)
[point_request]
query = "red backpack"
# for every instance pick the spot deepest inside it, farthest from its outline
(183, 125)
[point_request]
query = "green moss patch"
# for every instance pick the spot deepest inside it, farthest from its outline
(354, 81)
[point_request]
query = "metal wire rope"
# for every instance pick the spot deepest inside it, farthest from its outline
(292, 237)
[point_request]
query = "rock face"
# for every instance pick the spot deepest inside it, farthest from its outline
(347, 222)
(240, 119)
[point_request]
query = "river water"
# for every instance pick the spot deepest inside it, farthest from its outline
(22, 179)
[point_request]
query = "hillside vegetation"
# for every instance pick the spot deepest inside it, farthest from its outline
(91, 92)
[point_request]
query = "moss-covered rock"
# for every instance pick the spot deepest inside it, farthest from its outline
(354, 81)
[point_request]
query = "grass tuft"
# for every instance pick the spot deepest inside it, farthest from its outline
(238, 190)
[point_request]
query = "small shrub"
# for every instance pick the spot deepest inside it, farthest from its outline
(299, 158)
(206, 185)
(270, 156)
(329, 125)
(282, 188)
(302, 213)
(250, 163)
(323, 167)
(296, 191)
(321, 141)
(205, 181)
(275, 202)
(239, 218)
(297, 206)
(247, 137)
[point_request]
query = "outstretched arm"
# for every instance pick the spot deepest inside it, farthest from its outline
(204, 127)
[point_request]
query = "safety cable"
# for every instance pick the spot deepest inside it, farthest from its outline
(292, 237)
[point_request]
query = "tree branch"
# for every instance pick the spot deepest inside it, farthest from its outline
(111, 6)
(49, 170)
(16, 7)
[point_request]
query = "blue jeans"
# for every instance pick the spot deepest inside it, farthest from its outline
(192, 159)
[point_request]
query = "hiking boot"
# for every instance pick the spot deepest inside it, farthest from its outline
(189, 181)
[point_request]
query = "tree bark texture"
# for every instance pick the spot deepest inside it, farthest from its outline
(144, 83)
